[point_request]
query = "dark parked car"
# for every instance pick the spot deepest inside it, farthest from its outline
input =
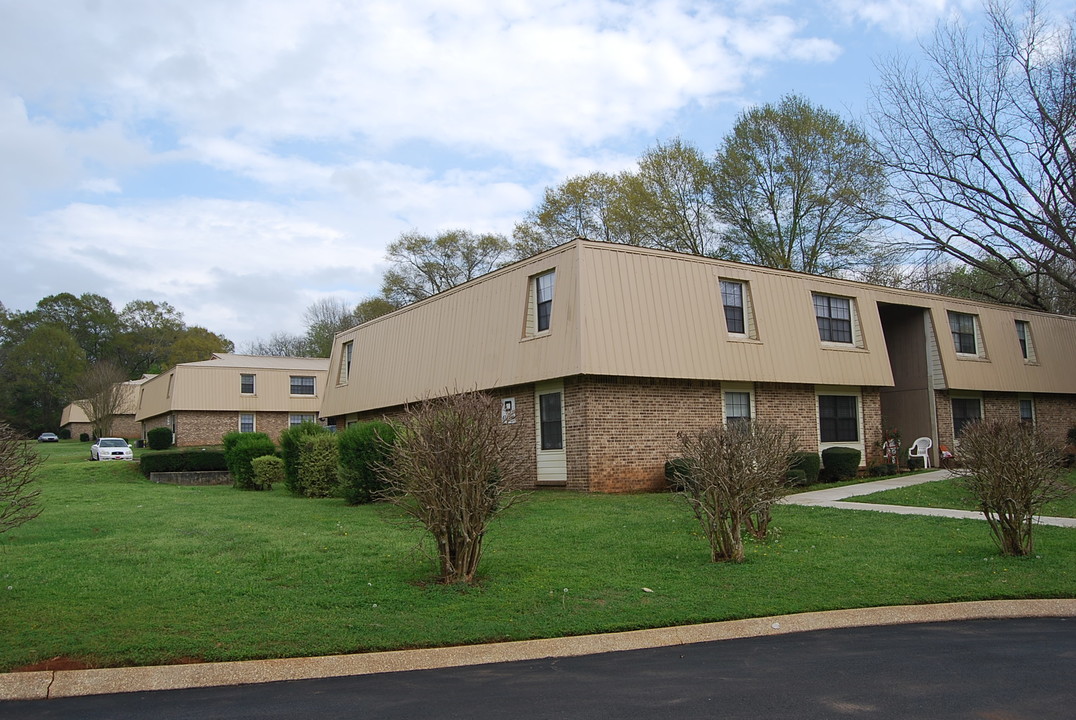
(48, 437)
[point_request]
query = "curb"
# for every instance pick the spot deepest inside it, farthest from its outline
(42, 685)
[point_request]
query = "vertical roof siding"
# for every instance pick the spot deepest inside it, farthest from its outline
(625, 311)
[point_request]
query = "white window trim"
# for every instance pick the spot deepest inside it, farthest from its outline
(303, 395)
(253, 422)
(1031, 359)
(347, 354)
(530, 326)
(254, 382)
(750, 328)
(291, 417)
(857, 393)
(977, 329)
(853, 312)
(727, 387)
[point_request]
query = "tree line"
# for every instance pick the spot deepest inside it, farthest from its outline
(67, 345)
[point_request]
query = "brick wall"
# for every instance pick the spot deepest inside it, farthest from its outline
(1054, 414)
(199, 427)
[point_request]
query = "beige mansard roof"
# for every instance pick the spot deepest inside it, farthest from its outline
(625, 311)
(214, 385)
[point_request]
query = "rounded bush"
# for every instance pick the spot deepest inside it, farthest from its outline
(65, 434)
(268, 469)
(797, 477)
(83, 437)
(841, 463)
(159, 438)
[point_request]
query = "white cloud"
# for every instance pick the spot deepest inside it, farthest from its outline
(905, 18)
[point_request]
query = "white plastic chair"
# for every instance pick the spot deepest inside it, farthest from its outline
(921, 449)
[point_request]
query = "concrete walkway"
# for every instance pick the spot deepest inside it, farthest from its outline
(835, 497)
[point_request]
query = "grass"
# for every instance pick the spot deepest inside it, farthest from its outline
(119, 571)
(948, 493)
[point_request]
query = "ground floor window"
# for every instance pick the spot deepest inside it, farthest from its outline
(737, 406)
(246, 422)
(1027, 411)
(965, 410)
(549, 409)
(838, 418)
(299, 419)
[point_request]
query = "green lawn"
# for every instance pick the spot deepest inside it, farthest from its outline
(949, 494)
(118, 571)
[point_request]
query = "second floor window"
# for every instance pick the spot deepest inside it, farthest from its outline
(246, 384)
(834, 316)
(1023, 335)
(544, 300)
(732, 299)
(302, 385)
(962, 326)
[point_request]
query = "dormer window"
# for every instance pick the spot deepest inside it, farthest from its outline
(539, 303)
(967, 337)
(834, 315)
(544, 300)
(1023, 335)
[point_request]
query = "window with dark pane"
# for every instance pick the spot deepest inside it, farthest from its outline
(837, 418)
(737, 407)
(549, 409)
(834, 316)
(302, 385)
(962, 326)
(732, 299)
(1023, 334)
(246, 384)
(965, 410)
(544, 299)
(1027, 411)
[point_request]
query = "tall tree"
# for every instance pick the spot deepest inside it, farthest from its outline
(422, 265)
(373, 307)
(978, 146)
(149, 331)
(37, 377)
(324, 318)
(670, 196)
(195, 344)
(592, 206)
(797, 188)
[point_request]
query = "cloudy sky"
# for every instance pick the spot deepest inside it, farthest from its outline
(242, 159)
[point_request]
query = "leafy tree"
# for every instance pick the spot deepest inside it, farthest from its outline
(91, 319)
(670, 197)
(797, 188)
(324, 318)
(38, 377)
(978, 146)
(18, 494)
(373, 307)
(102, 395)
(590, 206)
(422, 265)
(150, 329)
(195, 344)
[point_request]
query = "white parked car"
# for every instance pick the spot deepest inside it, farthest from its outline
(111, 449)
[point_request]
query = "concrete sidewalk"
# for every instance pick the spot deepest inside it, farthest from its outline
(835, 497)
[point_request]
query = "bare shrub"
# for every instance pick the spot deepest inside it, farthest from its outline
(18, 495)
(1013, 470)
(731, 478)
(452, 470)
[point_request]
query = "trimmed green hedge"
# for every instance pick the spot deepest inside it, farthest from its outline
(181, 461)
(268, 469)
(291, 446)
(240, 449)
(364, 448)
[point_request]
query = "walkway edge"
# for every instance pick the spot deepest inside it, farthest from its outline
(71, 683)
